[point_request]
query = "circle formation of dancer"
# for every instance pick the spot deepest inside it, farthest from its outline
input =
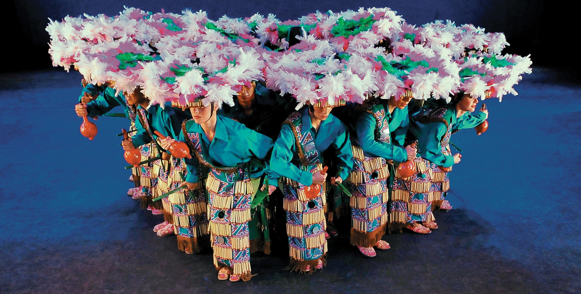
(231, 117)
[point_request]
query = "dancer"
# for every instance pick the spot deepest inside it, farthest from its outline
(234, 157)
(297, 156)
(380, 131)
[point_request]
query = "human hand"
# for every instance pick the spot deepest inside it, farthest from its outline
(484, 109)
(335, 181)
(191, 186)
(166, 142)
(127, 144)
(81, 110)
(457, 158)
(411, 152)
(319, 178)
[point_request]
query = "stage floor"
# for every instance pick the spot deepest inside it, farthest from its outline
(67, 226)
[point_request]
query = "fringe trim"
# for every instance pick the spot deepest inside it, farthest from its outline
(356, 178)
(445, 186)
(373, 189)
(358, 202)
(292, 205)
(224, 253)
(438, 177)
(422, 167)
(177, 198)
(432, 196)
(415, 208)
(212, 184)
(358, 153)
(240, 243)
(220, 229)
(430, 218)
(398, 217)
(188, 244)
(367, 239)
(145, 182)
(417, 187)
(316, 241)
(145, 201)
(375, 164)
(400, 195)
(300, 265)
(243, 188)
(197, 208)
(374, 213)
(166, 206)
(295, 231)
(362, 226)
(181, 220)
(313, 217)
(240, 215)
(221, 202)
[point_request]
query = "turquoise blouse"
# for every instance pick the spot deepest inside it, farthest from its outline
(398, 125)
(429, 135)
(285, 160)
(233, 144)
(165, 120)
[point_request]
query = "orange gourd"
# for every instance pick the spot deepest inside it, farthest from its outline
(481, 128)
(88, 129)
(312, 191)
(406, 169)
(132, 156)
(177, 149)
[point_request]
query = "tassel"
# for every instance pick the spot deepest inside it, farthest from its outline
(437, 195)
(421, 166)
(373, 189)
(177, 198)
(431, 197)
(385, 197)
(359, 225)
(292, 205)
(358, 202)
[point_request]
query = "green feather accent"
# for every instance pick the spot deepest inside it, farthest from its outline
(319, 61)
(318, 76)
(348, 28)
(180, 70)
(171, 25)
(169, 80)
(344, 56)
(496, 62)
(130, 59)
(410, 37)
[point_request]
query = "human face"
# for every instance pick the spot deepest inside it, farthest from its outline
(135, 97)
(322, 113)
(201, 114)
(467, 103)
(400, 103)
(246, 95)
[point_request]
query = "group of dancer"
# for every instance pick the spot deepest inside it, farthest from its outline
(334, 109)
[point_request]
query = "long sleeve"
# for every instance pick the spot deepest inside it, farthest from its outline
(92, 90)
(103, 104)
(469, 120)
(430, 144)
(365, 128)
(344, 153)
(282, 155)
(191, 164)
(141, 137)
(399, 134)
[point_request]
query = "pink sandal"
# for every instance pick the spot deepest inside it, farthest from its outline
(445, 205)
(156, 211)
(234, 278)
(382, 245)
(166, 230)
(431, 225)
(319, 265)
(367, 251)
(223, 274)
(417, 228)
(159, 226)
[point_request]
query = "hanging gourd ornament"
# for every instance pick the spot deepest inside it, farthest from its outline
(406, 169)
(481, 128)
(132, 156)
(177, 149)
(88, 129)
(312, 191)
